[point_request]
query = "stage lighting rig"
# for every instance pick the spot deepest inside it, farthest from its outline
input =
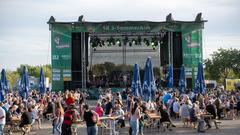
(139, 40)
(146, 41)
(118, 42)
(125, 40)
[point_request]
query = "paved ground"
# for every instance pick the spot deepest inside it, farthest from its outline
(229, 127)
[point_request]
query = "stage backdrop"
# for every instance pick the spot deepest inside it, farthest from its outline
(61, 40)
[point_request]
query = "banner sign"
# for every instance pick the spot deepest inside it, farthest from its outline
(230, 83)
(135, 26)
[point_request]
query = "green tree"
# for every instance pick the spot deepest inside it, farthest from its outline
(12, 77)
(224, 63)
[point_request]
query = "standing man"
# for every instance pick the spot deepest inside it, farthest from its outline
(2, 118)
(108, 107)
(91, 118)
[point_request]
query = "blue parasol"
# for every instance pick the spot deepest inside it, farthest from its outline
(24, 84)
(42, 82)
(1, 91)
(182, 80)
(136, 82)
(200, 86)
(4, 81)
(149, 86)
(170, 77)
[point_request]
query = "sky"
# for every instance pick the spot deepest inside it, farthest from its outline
(25, 35)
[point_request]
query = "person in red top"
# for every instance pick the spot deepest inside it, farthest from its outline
(69, 117)
(70, 99)
(99, 109)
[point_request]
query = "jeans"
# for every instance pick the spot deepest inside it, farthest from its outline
(1, 129)
(134, 124)
(93, 130)
(58, 125)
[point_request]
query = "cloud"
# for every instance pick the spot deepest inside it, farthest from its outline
(23, 23)
(214, 42)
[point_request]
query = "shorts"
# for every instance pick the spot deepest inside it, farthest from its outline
(74, 128)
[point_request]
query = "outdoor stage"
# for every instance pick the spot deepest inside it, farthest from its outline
(91, 54)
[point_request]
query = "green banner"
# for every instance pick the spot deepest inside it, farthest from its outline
(192, 52)
(61, 55)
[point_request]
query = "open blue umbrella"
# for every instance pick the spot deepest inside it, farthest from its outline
(166, 97)
(200, 86)
(1, 91)
(4, 81)
(170, 77)
(24, 83)
(42, 82)
(136, 83)
(149, 86)
(182, 80)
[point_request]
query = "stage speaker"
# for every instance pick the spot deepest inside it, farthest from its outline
(76, 61)
(164, 50)
(177, 56)
(189, 83)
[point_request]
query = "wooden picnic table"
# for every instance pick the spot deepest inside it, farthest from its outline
(153, 116)
(16, 119)
(207, 115)
(112, 120)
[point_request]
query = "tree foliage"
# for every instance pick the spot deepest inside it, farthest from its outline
(13, 76)
(224, 63)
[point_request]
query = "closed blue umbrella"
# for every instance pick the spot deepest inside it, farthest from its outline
(42, 82)
(136, 83)
(170, 77)
(182, 80)
(1, 91)
(4, 81)
(200, 86)
(24, 83)
(149, 86)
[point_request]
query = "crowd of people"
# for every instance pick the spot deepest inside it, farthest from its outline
(69, 109)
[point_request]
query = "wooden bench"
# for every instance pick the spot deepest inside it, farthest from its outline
(7, 129)
(49, 116)
(217, 123)
(26, 128)
(166, 125)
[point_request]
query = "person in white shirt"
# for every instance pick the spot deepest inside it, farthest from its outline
(119, 112)
(176, 107)
(2, 118)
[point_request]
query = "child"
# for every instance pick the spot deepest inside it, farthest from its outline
(141, 125)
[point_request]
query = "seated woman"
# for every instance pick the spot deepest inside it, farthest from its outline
(165, 117)
(26, 119)
(193, 115)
